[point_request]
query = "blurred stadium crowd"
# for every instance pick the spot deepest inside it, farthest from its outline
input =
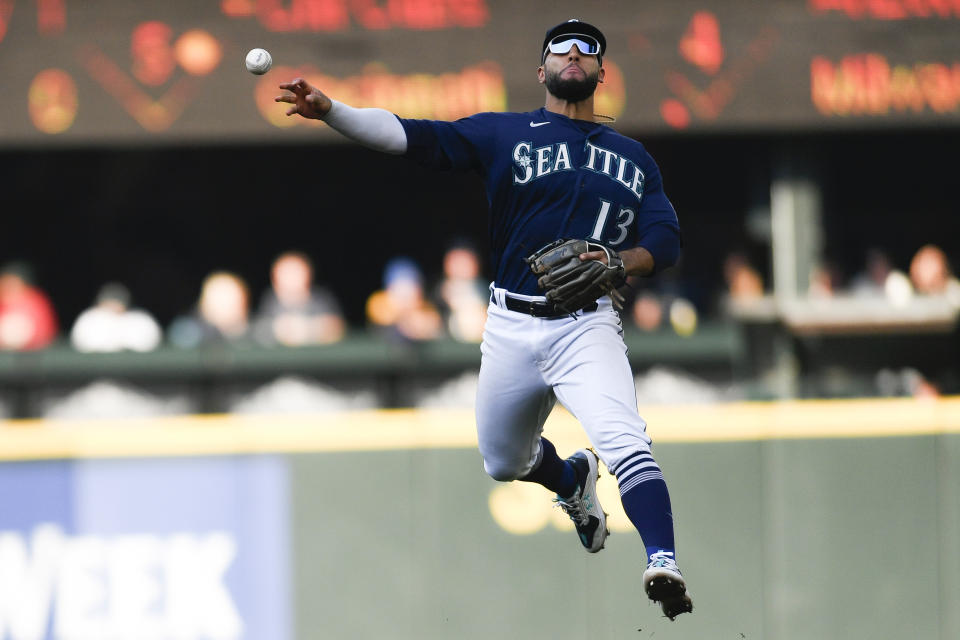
(299, 308)
(216, 290)
(295, 310)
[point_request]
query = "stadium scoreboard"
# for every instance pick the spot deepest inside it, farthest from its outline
(121, 72)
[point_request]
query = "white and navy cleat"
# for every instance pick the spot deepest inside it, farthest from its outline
(664, 584)
(583, 507)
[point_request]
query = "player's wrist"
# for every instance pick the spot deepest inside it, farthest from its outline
(615, 261)
(637, 261)
(323, 105)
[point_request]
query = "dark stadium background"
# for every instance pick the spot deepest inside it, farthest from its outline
(159, 219)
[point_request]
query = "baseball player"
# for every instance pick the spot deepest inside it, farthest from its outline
(553, 330)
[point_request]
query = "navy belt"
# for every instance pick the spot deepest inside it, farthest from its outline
(539, 308)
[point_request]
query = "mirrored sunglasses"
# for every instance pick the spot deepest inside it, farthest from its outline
(587, 45)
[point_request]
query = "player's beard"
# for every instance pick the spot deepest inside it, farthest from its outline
(572, 89)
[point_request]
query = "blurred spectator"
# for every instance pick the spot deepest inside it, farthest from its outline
(743, 281)
(879, 279)
(930, 273)
(462, 295)
(651, 311)
(872, 281)
(905, 382)
(111, 325)
(400, 307)
(294, 312)
(647, 312)
(222, 313)
(897, 288)
(27, 318)
(683, 317)
(824, 281)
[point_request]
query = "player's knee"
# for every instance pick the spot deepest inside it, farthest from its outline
(504, 470)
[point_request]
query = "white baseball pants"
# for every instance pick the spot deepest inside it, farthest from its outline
(527, 363)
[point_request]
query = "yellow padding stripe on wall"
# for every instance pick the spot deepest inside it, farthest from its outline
(414, 429)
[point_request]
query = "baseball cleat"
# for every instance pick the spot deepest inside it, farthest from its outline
(583, 507)
(664, 584)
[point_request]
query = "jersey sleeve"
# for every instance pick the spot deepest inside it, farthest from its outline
(658, 229)
(460, 145)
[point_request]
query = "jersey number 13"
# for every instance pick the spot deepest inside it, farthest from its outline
(624, 219)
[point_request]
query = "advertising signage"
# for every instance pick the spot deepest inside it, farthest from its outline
(191, 548)
(116, 71)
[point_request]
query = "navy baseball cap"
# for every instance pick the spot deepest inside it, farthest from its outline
(574, 26)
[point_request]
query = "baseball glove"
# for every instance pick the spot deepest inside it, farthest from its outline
(571, 283)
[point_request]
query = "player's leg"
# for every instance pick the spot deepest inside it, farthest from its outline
(592, 378)
(552, 471)
(513, 402)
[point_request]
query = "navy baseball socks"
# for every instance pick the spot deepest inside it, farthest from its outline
(574, 480)
(554, 473)
(646, 502)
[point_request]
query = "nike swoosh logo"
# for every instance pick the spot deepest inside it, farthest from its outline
(538, 124)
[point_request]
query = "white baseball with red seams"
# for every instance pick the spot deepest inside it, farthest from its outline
(259, 61)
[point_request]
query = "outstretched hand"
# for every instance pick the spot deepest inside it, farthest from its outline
(305, 99)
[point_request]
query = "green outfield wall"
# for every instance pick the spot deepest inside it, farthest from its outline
(394, 531)
(787, 540)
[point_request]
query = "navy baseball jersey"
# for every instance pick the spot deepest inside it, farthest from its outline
(548, 176)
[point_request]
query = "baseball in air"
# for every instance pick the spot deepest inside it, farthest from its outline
(259, 61)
